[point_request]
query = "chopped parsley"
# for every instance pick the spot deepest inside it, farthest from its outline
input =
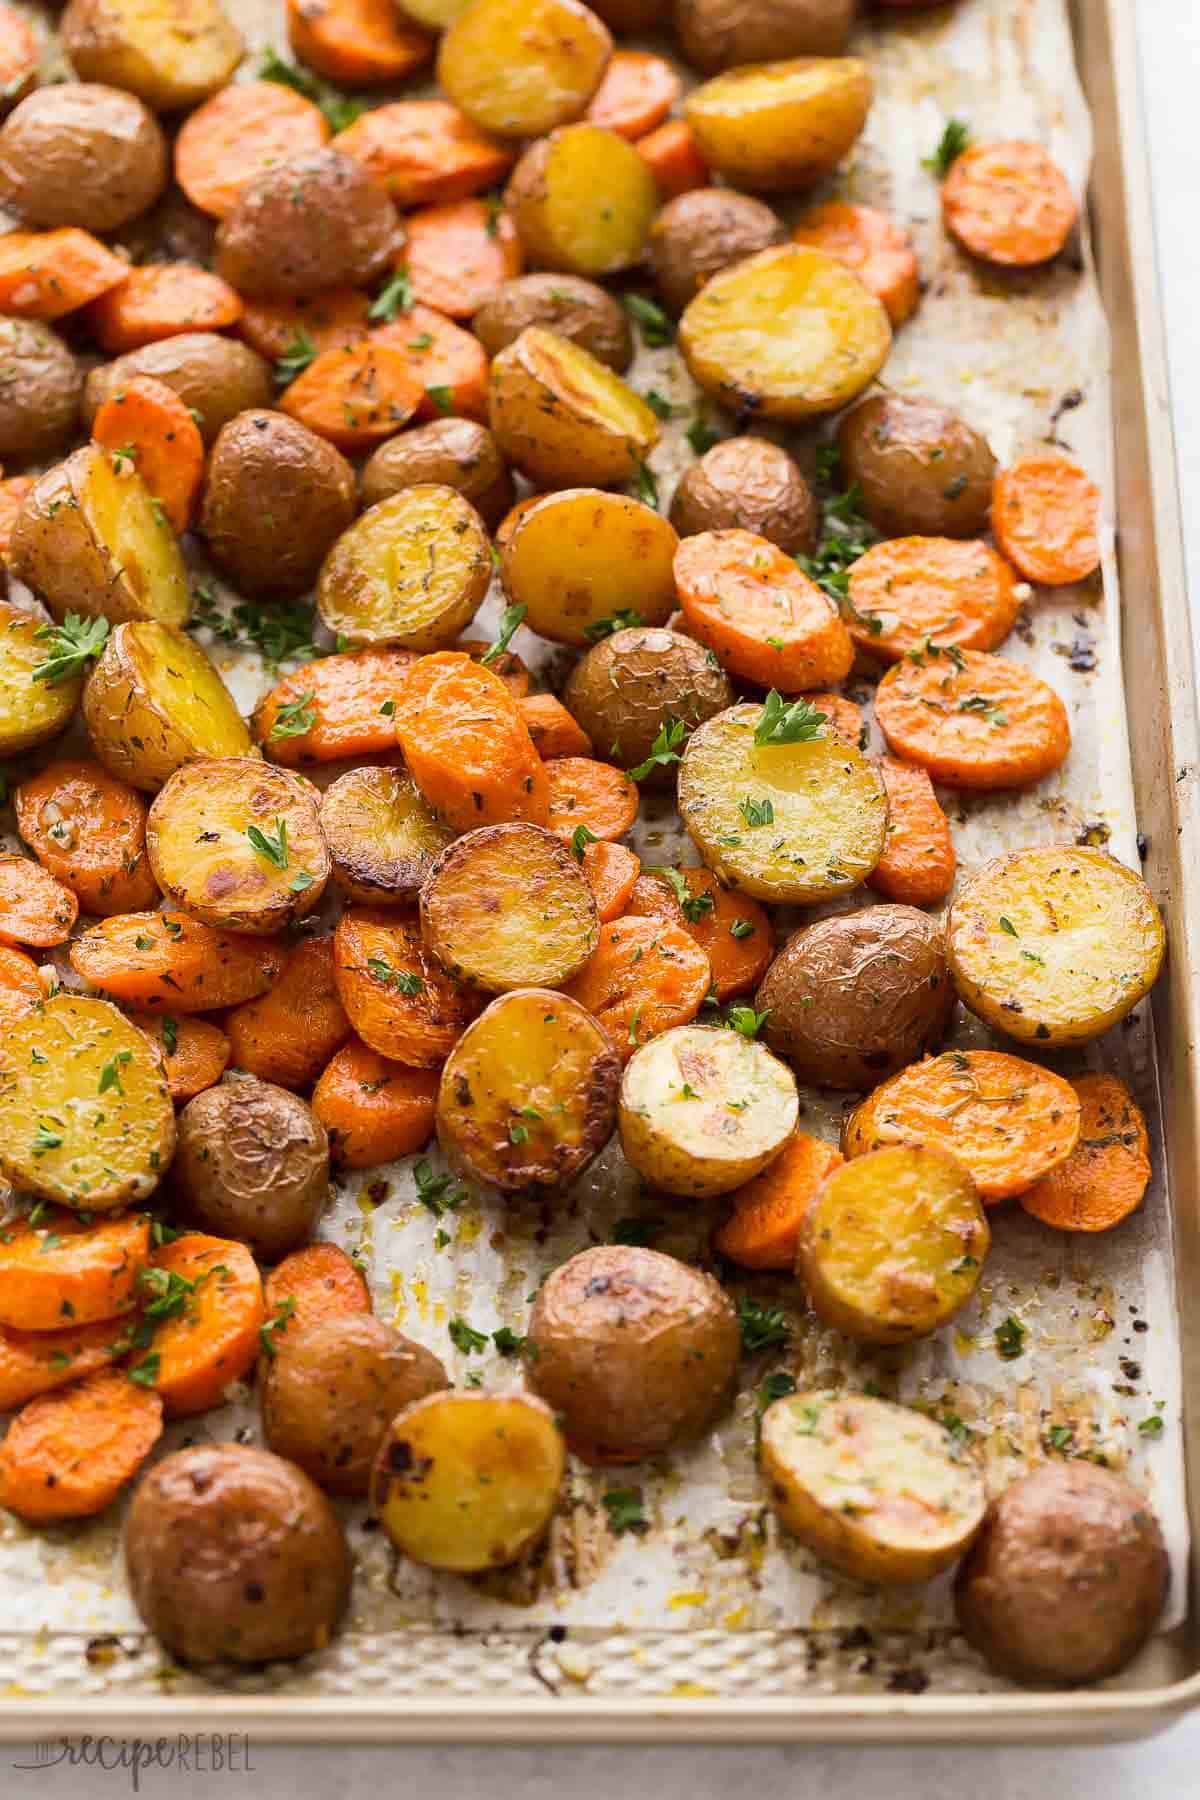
(692, 906)
(1010, 1339)
(787, 722)
(442, 397)
(507, 1342)
(294, 718)
(298, 352)
(760, 1326)
(618, 621)
(701, 436)
(276, 1323)
(756, 812)
(110, 1074)
(647, 484)
(509, 624)
(625, 1511)
(395, 296)
(400, 979)
(650, 319)
(340, 110)
(581, 837)
(664, 750)
(951, 144)
(72, 646)
(464, 1337)
(438, 1194)
(272, 848)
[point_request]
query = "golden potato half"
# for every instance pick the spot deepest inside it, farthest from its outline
(31, 712)
(170, 53)
(522, 70)
(781, 124)
(383, 838)
(581, 556)
(154, 701)
(583, 200)
(564, 417)
(412, 571)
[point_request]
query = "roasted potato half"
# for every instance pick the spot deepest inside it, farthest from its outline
(581, 556)
(170, 53)
(216, 377)
(781, 124)
(85, 1116)
(528, 1095)
(253, 1164)
(520, 73)
(882, 1492)
(468, 1481)
(582, 200)
(574, 308)
(154, 701)
(31, 712)
(454, 453)
(748, 484)
(705, 230)
(630, 686)
(921, 470)
(40, 388)
(713, 35)
(562, 416)
(412, 571)
(382, 837)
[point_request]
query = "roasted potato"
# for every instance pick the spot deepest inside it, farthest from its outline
(238, 843)
(507, 906)
(468, 1481)
(80, 154)
(920, 470)
(574, 308)
(787, 333)
(581, 556)
(233, 1553)
(634, 1351)
(878, 1490)
(1067, 1578)
(85, 1116)
(31, 712)
(562, 416)
(170, 53)
(714, 34)
(382, 837)
(700, 232)
(214, 376)
(342, 229)
(582, 200)
(528, 1095)
(1054, 945)
(276, 496)
(153, 702)
(703, 1110)
(854, 998)
(521, 73)
(629, 686)
(396, 996)
(792, 822)
(454, 453)
(91, 539)
(253, 1164)
(40, 386)
(748, 484)
(412, 571)
(780, 124)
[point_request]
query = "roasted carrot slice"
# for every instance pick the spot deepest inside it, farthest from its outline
(765, 1225)
(360, 43)
(19, 55)
(245, 128)
(643, 977)
(68, 1454)
(211, 1340)
(507, 665)
(449, 363)
(166, 962)
(146, 422)
(398, 999)
(12, 496)
(872, 243)
(912, 591)
(1105, 1177)
(425, 151)
(458, 253)
(553, 730)
(918, 862)
(44, 274)
(89, 830)
(759, 615)
(338, 707)
(37, 1362)
(590, 794)
(1046, 517)
(161, 300)
(35, 908)
(842, 717)
(972, 720)
(355, 394)
(636, 93)
(733, 931)
(611, 871)
(318, 1282)
(288, 1034)
(63, 1272)
(674, 159)
(1009, 203)
(374, 1110)
(286, 329)
(195, 1052)
(467, 746)
(20, 986)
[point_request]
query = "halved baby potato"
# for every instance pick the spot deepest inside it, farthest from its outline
(396, 996)
(31, 712)
(238, 843)
(468, 1481)
(583, 200)
(528, 1095)
(412, 571)
(170, 53)
(154, 701)
(1054, 945)
(882, 1492)
(580, 556)
(383, 838)
(703, 1109)
(794, 822)
(893, 1244)
(85, 1116)
(563, 417)
(780, 124)
(520, 71)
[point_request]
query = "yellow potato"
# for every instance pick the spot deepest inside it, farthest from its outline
(31, 712)
(563, 417)
(383, 839)
(85, 1116)
(583, 200)
(1054, 945)
(520, 70)
(792, 822)
(528, 1095)
(781, 124)
(154, 702)
(412, 571)
(580, 555)
(878, 1490)
(789, 333)
(893, 1244)
(170, 53)
(468, 1481)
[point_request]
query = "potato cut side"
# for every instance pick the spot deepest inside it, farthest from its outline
(528, 1095)
(563, 417)
(31, 712)
(1054, 945)
(412, 571)
(878, 1490)
(780, 124)
(154, 701)
(893, 1244)
(704, 1109)
(520, 71)
(583, 201)
(582, 556)
(787, 822)
(383, 838)
(396, 995)
(468, 1481)
(170, 53)
(85, 1116)
(789, 332)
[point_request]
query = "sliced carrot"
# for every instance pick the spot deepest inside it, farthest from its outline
(37, 1362)
(89, 830)
(374, 1110)
(449, 364)
(35, 908)
(288, 1034)
(320, 1282)
(68, 1454)
(611, 871)
(762, 618)
(12, 498)
(44, 274)
(398, 999)
(594, 795)
(643, 977)
(283, 328)
(972, 720)
(355, 394)
(166, 962)
(842, 717)
(425, 151)
(918, 862)
(212, 1341)
(1008, 1120)
(19, 54)
(553, 730)
(195, 1052)
(1105, 1177)
(871, 243)
(1009, 203)
(765, 1225)
(507, 665)
(63, 1272)
(674, 159)
(20, 986)
(733, 931)
(467, 746)
(245, 128)
(147, 422)
(160, 300)
(344, 697)
(636, 93)
(1046, 517)
(360, 43)
(458, 253)
(912, 591)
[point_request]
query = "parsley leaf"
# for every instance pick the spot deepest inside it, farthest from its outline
(700, 435)
(298, 352)
(442, 397)
(1152, 1427)
(400, 979)
(745, 1020)
(760, 1325)
(635, 1231)
(692, 906)
(1010, 1339)
(110, 1074)
(1007, 925)
(618, 621)
(464, 1337)
(756, 812)
(647, 484)
(395, 296)
(650, 319)
(437, 1193)
(776, 1387)
(294, 718)
(340, 110)
(510, 622)
(276, 1323)
(272, 849)
(625, 1511)
(664, 750)
(662, 409)
(741, 928)
(72, 646)
(953, 142)
(279, 632)
(145, 1373)
(507, 1341)
(44, 1139)
(782, 722)
(581, 837)
(170, 1032)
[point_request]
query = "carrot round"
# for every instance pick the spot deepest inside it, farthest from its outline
(44, 274)
(244, 129)
(37, 1362)
(320, 1282)
(871, 243)
(166, 962)
(20, 985)
(12, 498)
(733, 930)
(374, 1110)
(66, 1273)
(611, 871)
(19, 55)
(467, 746)
(448, 363)
(765, 1226)
(918, 862)
(673, 157)
(507, 665)
(910, 591)
(1009, 203)
(425, 151)
(279, 329)
(355, 394)
(636, 92)
(338, 703)
(35, 908)
(643, 977)
(457, 254)
(360, 43)
(1046, 518)
(146, 422)
(843, 718)
(760, 616)
(591, 794)
(289, 1033)
(397, 998)
(68, 1454)
(553, 730)
(159, 300)
(972, 720)
(89, 830)
(212, 1341)
(1105, 1177)
(195, 1052)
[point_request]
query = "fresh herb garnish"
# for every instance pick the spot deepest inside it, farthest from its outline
(464, 1337)
(145, 1373)
(276, 1323)
(636, 1231)
(442, 397)
(72, 645)
(340, 110)
(756, 812)
(294, 718)
(700, 435)
(298, 352)
(787, 722)
(952, 143)
(1010, 1339)
(664, 750)
(395, 296)
(110, 1074)
(510, 621)
(618, 621)
(272, 849)
(507, 1342)
(400, 979)
(650, 319)
(760, 1325)
(437, 1193)
(625, 1511)
(647, 484)
(581, 837)
(692, 906)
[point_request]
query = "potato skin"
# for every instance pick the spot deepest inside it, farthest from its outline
(568, 304)
(332, 1389)
(40, 386)
(854, 998)
(233, 1553)
(563, 416)
(170, 56)
(700, 232)
(217, 377)
(1067, 1578)
(921, 469)
(751, 484)
(626, 686)
(383, 839)
(345, 230)
(253, 1164)
(454, 453)
(275, 497)
(779, 125)
(634, 1350)
(582, 160)
(136, 735)
(718, 34)
(81, 154)
(31, 712)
